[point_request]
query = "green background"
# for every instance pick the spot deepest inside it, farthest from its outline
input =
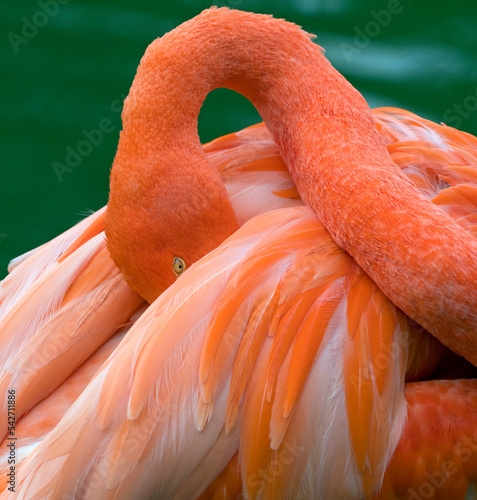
(69, 75)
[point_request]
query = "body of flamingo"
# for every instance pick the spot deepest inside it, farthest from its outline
(225, 360)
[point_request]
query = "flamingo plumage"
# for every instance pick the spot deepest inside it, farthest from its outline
(252, 153)
(281, 370)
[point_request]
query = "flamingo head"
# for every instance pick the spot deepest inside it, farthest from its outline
(156, 228)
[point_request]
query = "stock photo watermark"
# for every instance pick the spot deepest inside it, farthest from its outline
(135, 439)
(460, 111)
(267, 475)
(11, 441)
(32, 25)
(383, 362)
(372, 29)
(465, 449)
(91, 139)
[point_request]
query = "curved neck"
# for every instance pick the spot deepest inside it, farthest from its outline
(304, 101)
(327, 138)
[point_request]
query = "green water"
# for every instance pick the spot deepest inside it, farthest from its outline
(66, 66)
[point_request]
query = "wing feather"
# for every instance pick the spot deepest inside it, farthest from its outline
(262, 343)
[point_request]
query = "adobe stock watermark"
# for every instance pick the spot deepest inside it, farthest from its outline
(3, 236)
(465, 450)
(287, 455)
(454, 116)
(138, 434)
(91, 139)
(136, 437)
(372, 29)
(30, 27)
(389, 355)
(47, 351)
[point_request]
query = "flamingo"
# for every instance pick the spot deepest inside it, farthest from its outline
(215, 423)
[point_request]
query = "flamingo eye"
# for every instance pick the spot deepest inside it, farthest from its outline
(178, 265)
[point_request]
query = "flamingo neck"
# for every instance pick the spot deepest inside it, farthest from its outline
(326, 135)
(160, 160)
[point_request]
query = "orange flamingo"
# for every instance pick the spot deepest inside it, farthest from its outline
(280, 369)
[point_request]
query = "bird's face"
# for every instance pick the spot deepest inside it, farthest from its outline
(155, 244)
(168, 207)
